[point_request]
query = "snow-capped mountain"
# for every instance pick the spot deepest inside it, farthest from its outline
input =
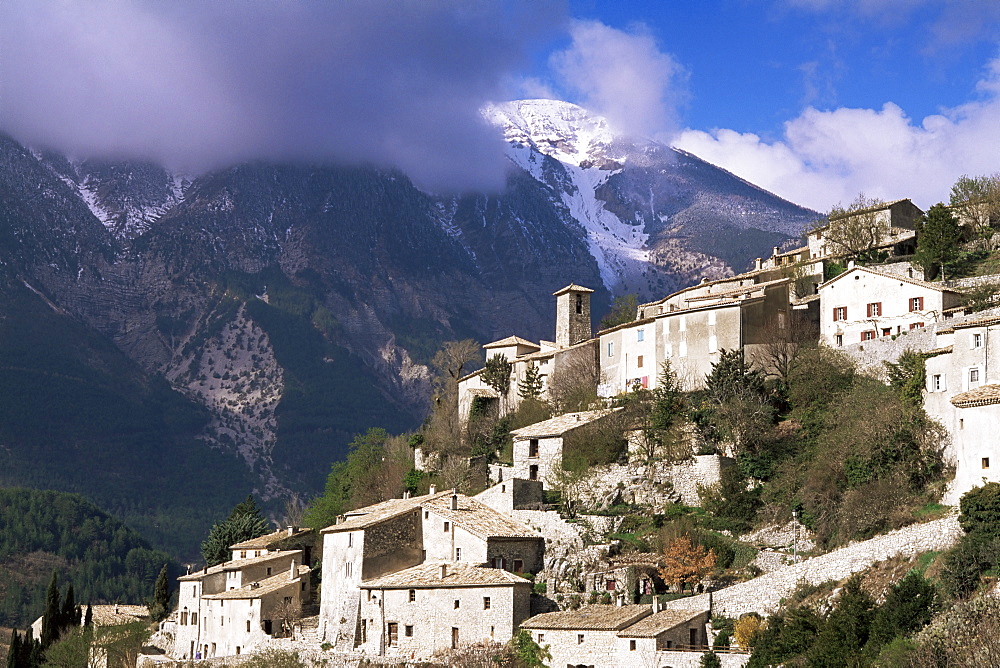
(652, 215)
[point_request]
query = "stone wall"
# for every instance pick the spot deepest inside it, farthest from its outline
(764, 594)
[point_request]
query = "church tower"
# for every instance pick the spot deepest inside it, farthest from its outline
(572, 315)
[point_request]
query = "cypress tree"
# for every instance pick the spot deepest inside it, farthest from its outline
(88, 621)
(161, 596)
(50, 620)
(68, 613)
(14, 651)
(937, 240)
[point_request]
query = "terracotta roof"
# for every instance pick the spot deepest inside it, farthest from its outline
(792, 252)
(263, 587)
(738, 291)
(978, 322)
(457, 574)
(483, 392)
(238, 564)
(590, 617)
(114, 615)
(984, 395)
(944, 350)
(380, 512)
(572, 287)
(512, 341)
(625, 325)
(264, 542)
(478, 518)
(904, 279)
(561, 424)
(654, 625)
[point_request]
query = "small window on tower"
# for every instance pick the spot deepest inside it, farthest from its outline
(986, 462)
(579, 303)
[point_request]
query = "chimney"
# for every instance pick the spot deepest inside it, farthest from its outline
(434, 489)
(850, 264)
(444, 571)
(291, 530)
(758, 264)
(454, 499)
(655, 606)
(776, 250)
(116, 608)
(291, 571)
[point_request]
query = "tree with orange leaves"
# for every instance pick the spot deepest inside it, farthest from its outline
(685, 563)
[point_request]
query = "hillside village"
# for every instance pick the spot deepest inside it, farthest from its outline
(538, 555)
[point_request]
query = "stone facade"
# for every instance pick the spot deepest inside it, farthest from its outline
(540, 449)
(572, 315)
(511, 494)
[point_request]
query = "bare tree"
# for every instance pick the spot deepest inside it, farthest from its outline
(855, 229)
(574, 385)
(780, 344)
(976, 200)
(288, 613)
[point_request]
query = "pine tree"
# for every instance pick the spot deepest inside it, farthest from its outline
(530, 387)
(937, 240)
(50, 620)
(244, 522)
(161, 596)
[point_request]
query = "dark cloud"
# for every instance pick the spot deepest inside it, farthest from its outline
(199, 85)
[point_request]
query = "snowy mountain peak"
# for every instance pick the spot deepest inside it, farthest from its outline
(561, 130)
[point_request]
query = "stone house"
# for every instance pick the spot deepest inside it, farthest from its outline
(420, 610)
(391, 544)
(608, 636)
(893, 229)
(542, 449)
(963, 394)
(863, 304)
(691, 328)
(237, 606)
(510, 494)
(572, 353)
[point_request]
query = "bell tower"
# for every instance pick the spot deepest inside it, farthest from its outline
(572, 315)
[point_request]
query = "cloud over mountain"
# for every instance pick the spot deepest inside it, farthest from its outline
(197, 85)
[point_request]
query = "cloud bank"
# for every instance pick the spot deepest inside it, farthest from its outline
(826, 157)
(199, 85)
(623, 76)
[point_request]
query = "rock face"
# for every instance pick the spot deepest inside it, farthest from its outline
(299, 304)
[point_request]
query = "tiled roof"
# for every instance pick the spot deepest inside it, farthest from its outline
(626, 325)
(944, 350)
(457, 574)
(572, 287)
(561, 424)
(746, 289)
(238, 564)
(978, 322)
(264, 542)
(590, 617)
(654, 625)
(512, 341)
(483, 392)
(904, 279)
(478, 518)
(380, 512)
(263, 587)
(877, 207)
(114, 615)
(984, 395)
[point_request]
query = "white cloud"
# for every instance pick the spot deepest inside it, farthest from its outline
(826, 157)
(623, 76)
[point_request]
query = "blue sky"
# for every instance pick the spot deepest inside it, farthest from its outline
(815, 100)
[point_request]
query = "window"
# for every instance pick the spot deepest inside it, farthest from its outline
(631, 645)
(454, 637)
(579, 303)
(874, 309)
(916, 304)
(447, 525)
(937, 383)
(973, 375)
(486, 602)
(839, 339)
(579, 638)
(977, 340)
(541, 637)
(611, 348)
(458, 604)
(222, 621)
(886, 331)
(248, 626)
(268, 570)
(350, 539)
(986, 462)
(839, 313)
(412, 596)
(458, 554)
(610, 585)
(961, 423)
(348, 569)
(194, 618)
(393, 634)
(518, 566)
(364, 631)
(533, 447)
(408, 630)
(916, 325)
(640, 335)
(427, 514)
(243, 554)
(533, 472)
(870, 335)
(184, 617)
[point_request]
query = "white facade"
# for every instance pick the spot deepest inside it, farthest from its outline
(963, 394)
(863, 304)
